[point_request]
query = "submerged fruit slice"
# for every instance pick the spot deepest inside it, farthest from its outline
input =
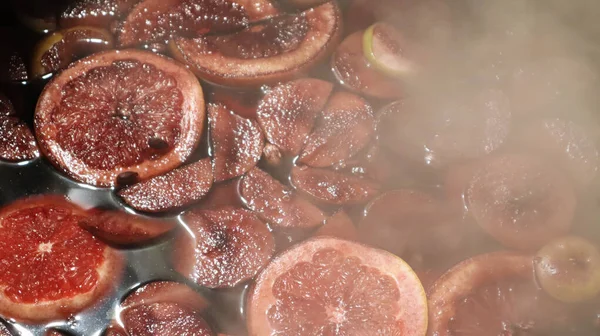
(491, 294)
(520, 201)
(333, 187)
(385, 49)
(568, 269)
(276, 204)
(165, 291)
(330, 286)
(177, 188)
(288, 112)
(237, 143)
(96, 13)
(57, 50)
(347, 126)
(56, 268)
(225, 248)
(159, 20)
(121, 228)
(268, 52)
(338, 225)
(120, 111)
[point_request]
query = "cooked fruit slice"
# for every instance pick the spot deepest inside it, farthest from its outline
(226, 247)
(159, 20)
(165, 292)
(96, 13)
(288, 112)
(520, 201)
(17, 142)
(121, 228)
(276, 204)
(346, 127)
(59, 49)
(120, 111)
(565, 143)
(386, 49)
(243, 102)
(237, 143)
(269, 52)
(490, 294)
(333, 187)
(568, 269)
(177, 188)
(439, 132)
(164, 318)
(354, 72)
(410, 223)
(75, 268)
(336, 287)
(338, 225)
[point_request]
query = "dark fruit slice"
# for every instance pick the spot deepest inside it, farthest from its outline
(243, 102)
(177, 188)
(346, 127)
(57, 268)
(17, 142)
(276, 204)
(159, 20)
(164, 319)
(353, 71)
(566, 143)
(491, 294)
(410, 223)
(121, 228)
(520, 201)
(57, 50)
(386, 49)
(288, 112)
(165, 292)
(328, 286)
(226, 247)
(568, 269)
(96, 13)
(440, 133)
(333, 187)
(269, 52)
(237, 143)
(106, 114)
(338, 225)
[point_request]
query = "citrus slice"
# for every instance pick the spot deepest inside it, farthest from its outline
(96, 13)
(76, 269)
(120, 111)
(329, 286)
(385, 49)
(269, 52)
(17, 142)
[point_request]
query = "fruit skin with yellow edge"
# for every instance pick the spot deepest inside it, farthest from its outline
(384, 48)
(568, 269)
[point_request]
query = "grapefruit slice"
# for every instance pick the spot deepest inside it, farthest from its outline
(329, 286)
(177, 188)
(226, 247)
(237, 143)
(520, 201)
(120, 111)
(159, 20)
(385, 48)
(268, 52)
(95, 13)
(339, 225)
(57, 268)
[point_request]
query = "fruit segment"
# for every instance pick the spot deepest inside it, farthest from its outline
(227, 247)
(177, 188)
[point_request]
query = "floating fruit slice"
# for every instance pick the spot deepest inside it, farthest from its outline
(165, 291)
(120, 228)
(237, 143)
(333, 187)
(568, 269)
(243, 102)
(177, 188)
(288, 112)
(336, 287)
(158, 20)
(276, 204)
(490, 294)
(96, 13)
(353, 71)
(386, 49)
(120, 111)
(346, 127)
(520, 201)
(268, 52)
(338, 225)
(17, 142)
(57, 268)
(440, 133)
(226, 247)
(164, 318)
(59, 49)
